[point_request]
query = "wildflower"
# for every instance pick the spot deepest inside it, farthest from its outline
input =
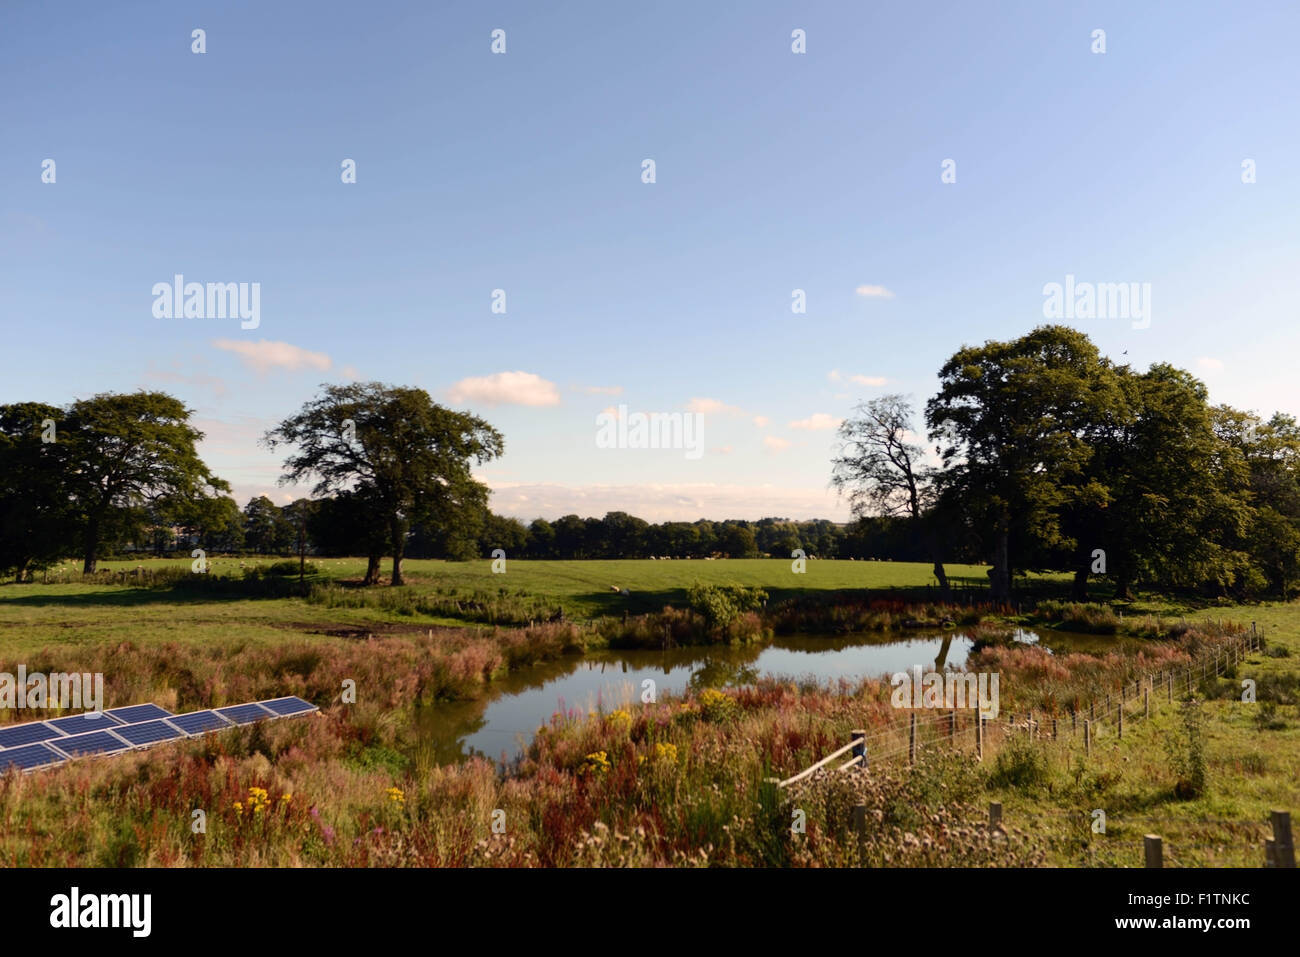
(666, 753)
(595, 763)
(622, 717)
(395, 795)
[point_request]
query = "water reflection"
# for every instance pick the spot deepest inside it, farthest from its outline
(500, 725)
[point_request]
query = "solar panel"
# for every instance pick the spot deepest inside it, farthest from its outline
(288, 706)
(96, 742)
(134, 714)
(28, 757)
(148, 732)
(82, 723)
(197, 722)
(21, 734)
(244, 713)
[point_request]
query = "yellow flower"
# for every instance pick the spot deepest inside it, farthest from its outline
(595, 763)
(239, 806)
(395, 794)
(619, 717)
(666, 753)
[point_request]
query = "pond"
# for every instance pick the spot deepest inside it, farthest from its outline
(500, 725)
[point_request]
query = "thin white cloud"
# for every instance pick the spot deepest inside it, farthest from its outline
(874, 292)
(603, 390)
(265, 354)
(712, 407)
(774, 444)
(761, 421)
(817, 422)
(506, 388)
(874, 380)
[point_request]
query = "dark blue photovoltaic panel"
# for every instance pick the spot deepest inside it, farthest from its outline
(148, 732)
(96, 742)
(136, 713)
(196, 722)
(28, 757)
(21, 734)
(244, 713)
(286, 706)
(82, 723)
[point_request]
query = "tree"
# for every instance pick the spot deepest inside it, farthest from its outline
(1014, 422)
(35, 522)
(350, 523)
(880, 468)
(541, 539)
(266, 530)
(298, 515)
(736, 541)
(410, 455)
(122, 451)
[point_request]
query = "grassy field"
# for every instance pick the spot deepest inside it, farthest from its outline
(677, 782)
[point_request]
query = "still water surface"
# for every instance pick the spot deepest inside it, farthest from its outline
(500, 725)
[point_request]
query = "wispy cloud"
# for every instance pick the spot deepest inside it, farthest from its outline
(265, 354)
(175, 375)
(774, 444)
(817, 422)
(506, 388)
(712, 407)
(603, 389)
(873, 380)
(761, 421)
(874, 292)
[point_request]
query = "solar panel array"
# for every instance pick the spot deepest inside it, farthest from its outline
(42, 744)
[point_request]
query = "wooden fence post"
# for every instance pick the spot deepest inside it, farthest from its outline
(1169, 682)
(1087, 737)
(995, 814)
(1270, 852)
(911, 740)
(979, 736)
(1283, 848)
(1146, 701)
(1054, 735)
(1151, 845)
(860, 745)
(1074, 721)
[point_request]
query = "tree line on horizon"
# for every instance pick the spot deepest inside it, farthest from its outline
(1045, 456)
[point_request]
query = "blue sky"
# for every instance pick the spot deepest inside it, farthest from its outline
(774, 172)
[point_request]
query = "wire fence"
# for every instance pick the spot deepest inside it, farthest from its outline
(1135, 701)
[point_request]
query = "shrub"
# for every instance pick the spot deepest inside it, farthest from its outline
(720, 605)
(1186, 751)
(1020, 765)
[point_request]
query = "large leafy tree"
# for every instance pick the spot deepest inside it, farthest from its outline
(1178, 506)
(122, 452)
(1015, 423)
(411, 456)
(35, 519)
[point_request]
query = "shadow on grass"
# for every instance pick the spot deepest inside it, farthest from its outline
(130, 597)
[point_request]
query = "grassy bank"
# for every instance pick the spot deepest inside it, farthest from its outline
(679, 782)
